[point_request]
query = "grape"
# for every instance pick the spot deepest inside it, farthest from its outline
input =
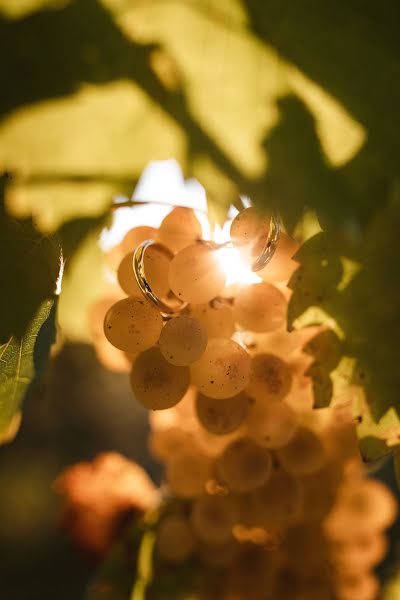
(167, 443)
(362, 505)
(175, 540)
(304, 454)
(212, 519)
(157, 260)
(272, 425)
(281, 266)
(188, 473)
(126, 277)
(183, 340)
(223, 370)
(244, 466)
(361, 552)
(136, 236)
(114, 257)
(270, 378)
(195, 274)
(224, 415)
(132, 325)
(260, 307)
(279, 500)
(180, 228)
(156, 383)
(217, 318)
(363, 586)
(249, 231)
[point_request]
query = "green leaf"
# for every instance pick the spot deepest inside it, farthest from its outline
(22, 361)
(29, 268)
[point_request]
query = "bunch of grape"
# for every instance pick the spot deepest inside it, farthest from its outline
(272, 493)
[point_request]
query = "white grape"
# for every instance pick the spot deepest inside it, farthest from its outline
(195, 274)
(136, 236)
(304, 454)
(249, 231)
(270, 378)
(260, 307)
(217, 318)
(224, 415)
(156, 383)
(244, 465)
(175, 541)
(188, 473)
(132, 325)
(272, 424)
(183, 340)
(212, 519)
(180, 228)
(223, 370)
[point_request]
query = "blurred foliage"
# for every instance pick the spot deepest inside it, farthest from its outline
(293, 105)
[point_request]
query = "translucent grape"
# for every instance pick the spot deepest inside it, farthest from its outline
(132, 325)
(270, 378)
(188, 473)
(223, 370)
(156, 266)
(126, 277)
(195, 274)
(183, 340)
(281, 266)
(180, 228)
(156, 383)
(260, 307)
(217, 318)
(361, 552)
(175, 541)
(279, 500)
(272, 425)
(224, 415)
(212, 519)
(304, 454)
(136, 236)
(244, 466)
(362, 505)
(362, 586)
(169, 442)
(249, 231)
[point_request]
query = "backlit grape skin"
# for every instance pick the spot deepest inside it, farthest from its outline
(156, 383)
(195, 274)
(249, 231)
(216, 316)
(223, 370)
(270, 378)
(224, 415)
(304, 454)
(180, 228)
(183, 340)
(244, 466)
(260, 307)
(132, 325)
(175, 541)
(272, 424)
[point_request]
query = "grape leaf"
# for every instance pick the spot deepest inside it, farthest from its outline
(22, 361)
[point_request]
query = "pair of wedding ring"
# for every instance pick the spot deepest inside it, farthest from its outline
(176, 306)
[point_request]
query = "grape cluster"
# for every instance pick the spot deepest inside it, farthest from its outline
(271, 491)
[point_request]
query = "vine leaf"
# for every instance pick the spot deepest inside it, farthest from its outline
(22, 361)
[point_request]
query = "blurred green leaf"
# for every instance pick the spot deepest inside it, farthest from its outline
(22, 361)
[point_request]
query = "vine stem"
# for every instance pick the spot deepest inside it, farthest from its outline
(132, 203)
